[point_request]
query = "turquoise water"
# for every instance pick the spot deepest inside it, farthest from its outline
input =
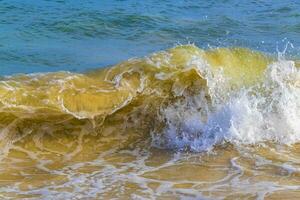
(42, 36)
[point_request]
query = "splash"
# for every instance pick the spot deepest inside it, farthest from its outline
(267, 111)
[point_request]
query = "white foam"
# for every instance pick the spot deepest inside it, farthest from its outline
(266, 112)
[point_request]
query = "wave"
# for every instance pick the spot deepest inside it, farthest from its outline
(184, 97)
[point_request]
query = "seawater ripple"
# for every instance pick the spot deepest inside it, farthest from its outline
(64, 35)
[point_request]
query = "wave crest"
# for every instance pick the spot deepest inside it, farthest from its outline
(186, 97)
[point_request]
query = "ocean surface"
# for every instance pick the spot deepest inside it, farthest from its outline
(149, 99)
(43, 36)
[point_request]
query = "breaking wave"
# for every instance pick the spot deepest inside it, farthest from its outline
(183, 98)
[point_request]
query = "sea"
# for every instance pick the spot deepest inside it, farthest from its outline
(127, 99)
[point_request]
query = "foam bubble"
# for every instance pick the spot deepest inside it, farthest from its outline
(266, 112)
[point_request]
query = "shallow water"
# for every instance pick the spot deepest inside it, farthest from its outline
(215, 120)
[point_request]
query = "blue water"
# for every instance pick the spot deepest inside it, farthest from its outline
(45, 35)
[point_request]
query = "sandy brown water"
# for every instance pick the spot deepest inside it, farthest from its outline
(125, 132)
(140, 171)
